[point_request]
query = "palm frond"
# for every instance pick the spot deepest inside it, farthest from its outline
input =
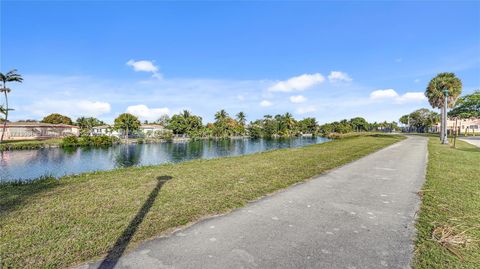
(11, 76)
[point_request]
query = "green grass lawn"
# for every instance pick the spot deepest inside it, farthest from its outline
(78, 218)
(449, 220)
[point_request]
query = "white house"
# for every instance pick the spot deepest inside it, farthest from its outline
(145, 129)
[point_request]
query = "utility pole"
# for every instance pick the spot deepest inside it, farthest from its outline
(444, 113)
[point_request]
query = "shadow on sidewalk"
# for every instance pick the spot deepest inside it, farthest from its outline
(121, 244)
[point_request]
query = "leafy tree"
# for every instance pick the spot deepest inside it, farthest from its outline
(185, 123)
(359, 124)
(221, 115)
(269, 126)
(404, 119)
(255, 129)
(225, 126)
(128, 123)
(422, 119)
(10, 76)
(241, 118)
(289, 123)
(308, 125)
(86, 124)
(56, 118)
(467, 106)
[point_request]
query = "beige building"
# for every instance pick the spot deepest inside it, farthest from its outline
(469, 126)
(37, 130)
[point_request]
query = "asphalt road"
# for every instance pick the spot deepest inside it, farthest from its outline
(474, 140)
(360, 215)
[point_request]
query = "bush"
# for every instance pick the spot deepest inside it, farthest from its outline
(90, 141)
(163, 135)
(70, 141)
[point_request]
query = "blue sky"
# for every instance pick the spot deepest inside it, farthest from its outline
(330, 60)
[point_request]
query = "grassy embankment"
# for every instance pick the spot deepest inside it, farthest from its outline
(449, 219)
(60, 223)
(30, 144)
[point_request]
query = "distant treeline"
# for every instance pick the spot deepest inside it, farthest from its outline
(189, 125)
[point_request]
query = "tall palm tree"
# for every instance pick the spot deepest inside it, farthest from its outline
(221, 115)
(435, 92)
(241, 118)
(10, 76)
(3, 111)
(435, 89)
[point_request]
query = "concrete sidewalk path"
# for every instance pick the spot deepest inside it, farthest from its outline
(360, 215)
(474, 140)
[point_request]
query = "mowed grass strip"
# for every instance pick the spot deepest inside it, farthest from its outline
(61, 223)
(449, 220)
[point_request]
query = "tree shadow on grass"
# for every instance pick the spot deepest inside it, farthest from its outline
(116, 252)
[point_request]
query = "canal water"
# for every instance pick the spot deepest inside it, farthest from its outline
(31, 164)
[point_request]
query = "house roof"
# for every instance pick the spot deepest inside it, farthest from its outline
(39, 124)
(143, 126)
(151, 126)
(102, 126)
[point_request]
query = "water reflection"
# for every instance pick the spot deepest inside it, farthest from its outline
(128, 156)
(30, 164)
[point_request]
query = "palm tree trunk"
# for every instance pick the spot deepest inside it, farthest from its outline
(6, 115)
(441, 124)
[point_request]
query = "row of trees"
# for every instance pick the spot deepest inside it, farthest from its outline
(422, 120)
(282, 126)
(357, 124)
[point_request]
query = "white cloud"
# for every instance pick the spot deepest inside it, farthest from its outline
(298, 83)
(391, 94)
(71, 108)
(337, 76)
(145, 66)
(240, 97)
(297, 99)
(266, 103)
(416, 80)
(412, 97)
(306, 109)
(383, 94)
(146, 113)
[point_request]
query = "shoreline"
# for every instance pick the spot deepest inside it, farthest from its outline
(42, 144)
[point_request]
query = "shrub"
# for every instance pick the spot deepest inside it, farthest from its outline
(90, 141)
(70, 141)
(163, 135)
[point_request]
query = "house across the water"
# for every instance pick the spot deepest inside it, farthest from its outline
(144, 129)
(37, 130)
